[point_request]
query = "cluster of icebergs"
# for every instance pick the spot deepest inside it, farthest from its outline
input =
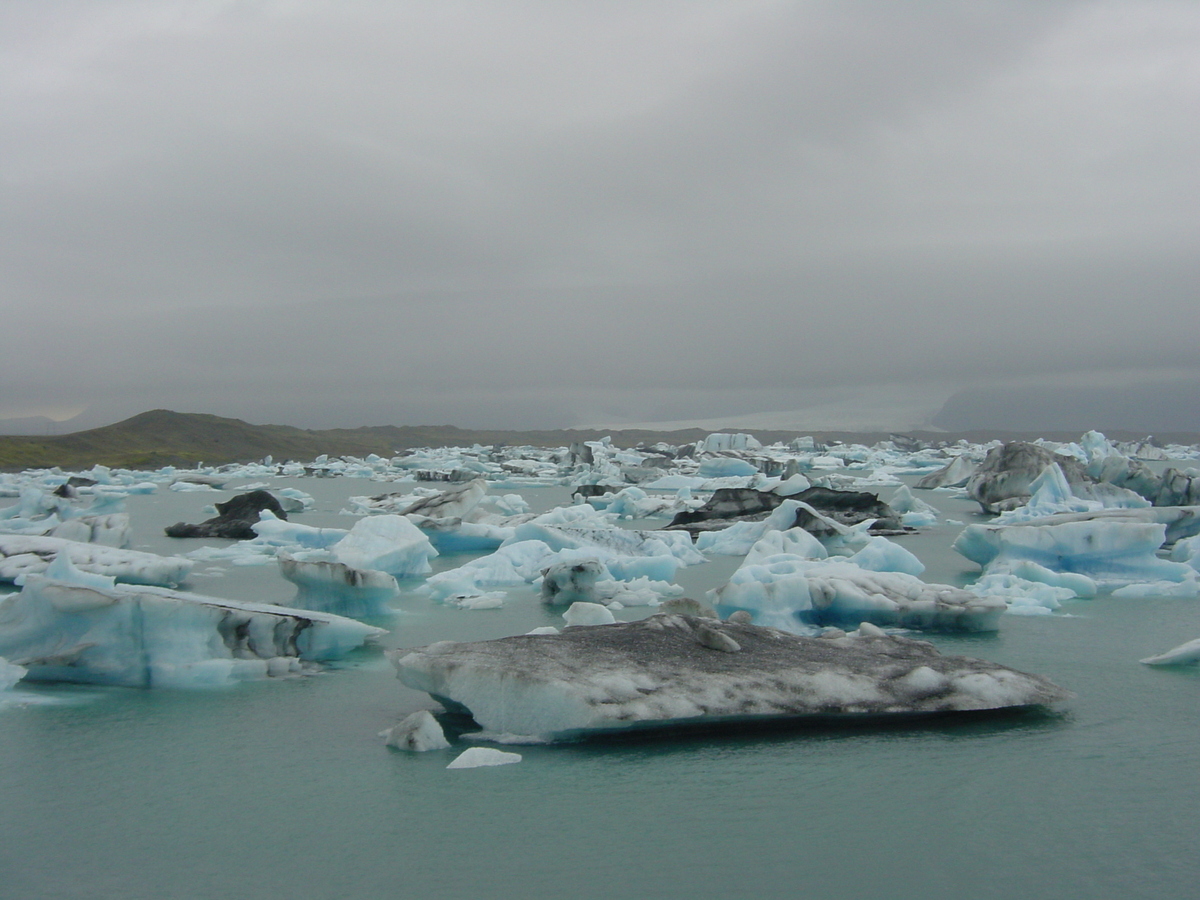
(814, 527)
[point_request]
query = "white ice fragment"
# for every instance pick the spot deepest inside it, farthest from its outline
(1113, 549)
(10, 674)
(22, 555)
(882, 555)
(1188, 589)
(389, 544)
(417, 732)
(85, 628)
(490, 600)
(581, 613)
(1183, 655)
(483, 756)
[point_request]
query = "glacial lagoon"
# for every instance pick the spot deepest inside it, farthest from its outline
(283, 787)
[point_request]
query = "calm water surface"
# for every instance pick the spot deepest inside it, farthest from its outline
(284, 789)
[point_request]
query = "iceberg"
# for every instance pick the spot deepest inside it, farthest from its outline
(69, 625)
(675, 671)
(913, 513)
(1178, 488)
(1184, 655)
(235, 518)
(726, 467)
(1004, 479)
(272, 533)
(336, 587)
(1052, 494)
(456, 502)
(581, 613)
(1113, 550)
(743, 505)
(295, 500)
(793, 593)
(111, 530)
(389, 544)
(10, 674)
(565, 583)
(477, 757)
(955, 473)
(25, 555)
(418, 732)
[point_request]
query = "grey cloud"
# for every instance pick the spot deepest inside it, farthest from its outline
(540, 213)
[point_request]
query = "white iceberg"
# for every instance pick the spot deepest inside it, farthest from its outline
(797, 594)
(1113, 550)
(389, 544)
(25, 555)
(1184, 655)
(418, 732)
(581, 613)
(10, 674)
(476, 757)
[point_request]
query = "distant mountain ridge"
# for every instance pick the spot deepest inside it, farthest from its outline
(162, 437)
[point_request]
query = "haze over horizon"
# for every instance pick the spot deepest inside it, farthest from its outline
(539, 215)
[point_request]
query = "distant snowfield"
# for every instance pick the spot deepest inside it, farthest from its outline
(882, 411)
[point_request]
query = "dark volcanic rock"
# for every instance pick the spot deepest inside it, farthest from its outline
(679, 670)
(234, 520)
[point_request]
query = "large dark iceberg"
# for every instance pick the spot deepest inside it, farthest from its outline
(235, 518)
(728, 506)
(672, 671)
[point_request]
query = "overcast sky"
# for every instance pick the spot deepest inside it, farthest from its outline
(544, 214)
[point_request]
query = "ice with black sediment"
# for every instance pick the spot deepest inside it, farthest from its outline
(68, 625)
(671, 671)
(25, 555)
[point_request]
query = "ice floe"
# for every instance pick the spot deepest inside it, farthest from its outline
(1186, 654)
(664, 672)
(797, 594)
(25, 555)
(68, 625)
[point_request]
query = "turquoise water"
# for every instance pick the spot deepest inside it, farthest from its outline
(284, 789)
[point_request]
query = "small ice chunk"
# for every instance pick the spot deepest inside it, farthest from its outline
(417, 732)
(714, 639)
(1183, 655)
(483, 756)
(571, 582)
(9, 674)
(580, 613)
(882, 555)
